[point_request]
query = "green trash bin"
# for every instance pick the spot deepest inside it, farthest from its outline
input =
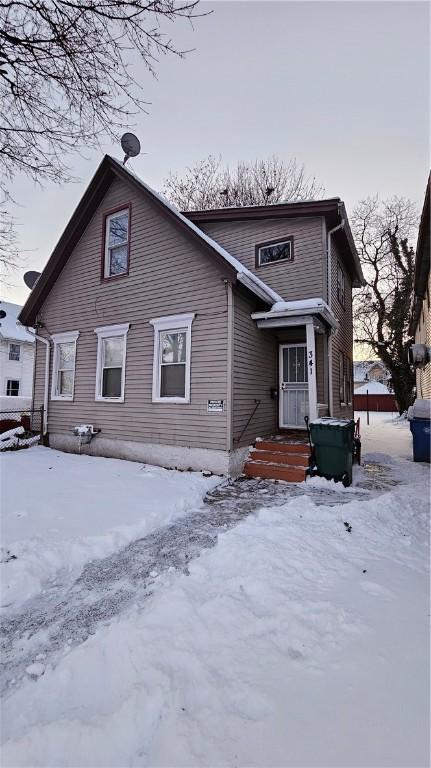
(333, 448)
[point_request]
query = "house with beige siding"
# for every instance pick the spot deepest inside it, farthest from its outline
(420, 325)
(181, 338)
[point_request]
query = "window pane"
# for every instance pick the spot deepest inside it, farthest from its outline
(118, 228)
(66, 355)
(14, 351)
(173, 347)
(276, 252)
(118, 260)
(113, 351)
(12, 388)
(65, 382)
(173, 381)
(111, 382)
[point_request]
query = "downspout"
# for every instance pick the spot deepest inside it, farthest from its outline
(46, 386)
(329, 302)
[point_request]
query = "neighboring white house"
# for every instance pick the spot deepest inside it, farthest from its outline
(16, 361)
(370, 370)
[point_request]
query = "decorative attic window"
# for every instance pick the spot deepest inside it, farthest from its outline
(341, 285)
(116, 243)
(172, 358)
(276, 250)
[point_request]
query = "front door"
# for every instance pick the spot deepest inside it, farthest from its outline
(293, 385)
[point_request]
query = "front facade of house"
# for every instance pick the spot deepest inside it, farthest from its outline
(182, 338)
(16, 361)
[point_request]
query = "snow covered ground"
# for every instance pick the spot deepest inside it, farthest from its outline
(99, 505)
(292, 642)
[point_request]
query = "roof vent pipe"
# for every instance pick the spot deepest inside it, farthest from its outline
(329, 302)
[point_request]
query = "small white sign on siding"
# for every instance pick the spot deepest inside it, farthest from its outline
(215, 406)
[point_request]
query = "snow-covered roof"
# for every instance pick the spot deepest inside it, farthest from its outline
(281, 309)
(8, 325)
(373, 388)
(362, 367)
(251, 281)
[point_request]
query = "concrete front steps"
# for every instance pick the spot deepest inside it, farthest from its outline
(278, 460)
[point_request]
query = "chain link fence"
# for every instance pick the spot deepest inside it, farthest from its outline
(31, 419)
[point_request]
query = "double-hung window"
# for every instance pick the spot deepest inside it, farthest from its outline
(63, 373)
(172, 358)
(14, 352)
(111, 362)
(117, 242)
(341, 285)
(12, 388)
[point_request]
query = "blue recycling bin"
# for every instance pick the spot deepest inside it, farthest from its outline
(421, 432)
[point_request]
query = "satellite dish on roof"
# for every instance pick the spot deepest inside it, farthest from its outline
(130, 145)
(31, 278)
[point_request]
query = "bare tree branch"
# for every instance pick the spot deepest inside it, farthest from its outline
(209, 184)
(382, 308)
(68, 76)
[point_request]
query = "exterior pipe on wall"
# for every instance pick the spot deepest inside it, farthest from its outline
(329, 302)
(46, 385)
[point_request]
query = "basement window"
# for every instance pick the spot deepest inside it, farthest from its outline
(277, 250)
(172, 358)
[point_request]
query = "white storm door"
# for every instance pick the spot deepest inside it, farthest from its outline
(293, 398)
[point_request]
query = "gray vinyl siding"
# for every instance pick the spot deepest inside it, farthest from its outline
(254, 373)
(301, 279)
(168, 275)
(343, 340)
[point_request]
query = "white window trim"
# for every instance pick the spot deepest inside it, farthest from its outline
(107, 332)
(172, 323)
(62, 338)
(8, 378)
(107, 261)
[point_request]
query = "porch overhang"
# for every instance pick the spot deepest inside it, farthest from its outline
(288, 314)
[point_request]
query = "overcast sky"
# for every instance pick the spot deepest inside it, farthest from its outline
(341, 86)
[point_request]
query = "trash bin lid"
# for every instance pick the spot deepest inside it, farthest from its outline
(330, 421)
(421, 409)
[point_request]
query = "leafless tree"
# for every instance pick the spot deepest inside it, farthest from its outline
(384, 231)
(68, 75)
(210, 184)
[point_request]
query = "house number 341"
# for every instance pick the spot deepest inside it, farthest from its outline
(310, 361)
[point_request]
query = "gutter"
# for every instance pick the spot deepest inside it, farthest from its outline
(329, 289)
(46, 384)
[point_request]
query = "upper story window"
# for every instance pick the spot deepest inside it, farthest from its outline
(277, 250)
(172, 358)
(341, 285)
(111, 362)
(15, 352)
(117, 243)
(12, 388)
(63, 372)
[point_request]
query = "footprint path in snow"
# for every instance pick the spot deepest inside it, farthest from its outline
(65, 615)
